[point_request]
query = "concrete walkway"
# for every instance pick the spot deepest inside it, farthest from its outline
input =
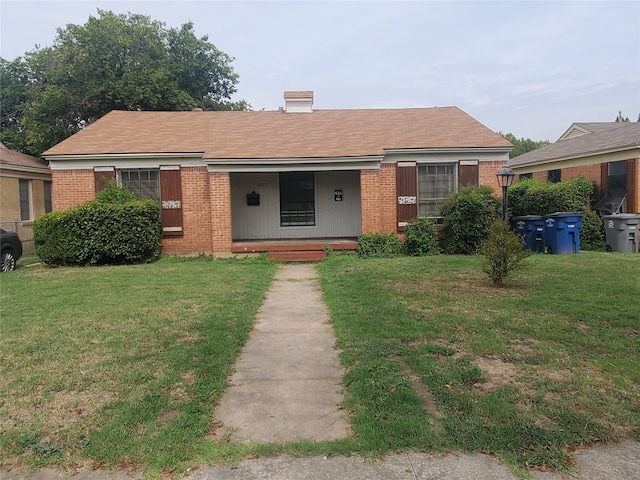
(287, 380)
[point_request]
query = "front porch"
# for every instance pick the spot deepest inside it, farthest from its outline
(295, 250)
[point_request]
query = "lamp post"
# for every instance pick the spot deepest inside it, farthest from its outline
(505, 179)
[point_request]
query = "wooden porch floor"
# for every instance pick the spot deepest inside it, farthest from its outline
(295, 250)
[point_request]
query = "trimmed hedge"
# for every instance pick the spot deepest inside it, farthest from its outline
(99, 233)
(379, 245)
(531, 197)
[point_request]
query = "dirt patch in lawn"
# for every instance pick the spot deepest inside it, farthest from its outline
(497, 372)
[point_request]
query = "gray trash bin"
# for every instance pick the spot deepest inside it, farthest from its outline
(621, 232)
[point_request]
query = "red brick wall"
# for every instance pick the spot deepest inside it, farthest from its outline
(378, 199)
(369, 190)
(220, 194)
(196, 214)
(388, 206)
(590, 172)
(71, 188)
(487, 175)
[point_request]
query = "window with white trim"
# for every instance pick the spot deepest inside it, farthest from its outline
(436, 183)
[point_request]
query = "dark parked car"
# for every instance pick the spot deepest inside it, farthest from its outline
(11, 248)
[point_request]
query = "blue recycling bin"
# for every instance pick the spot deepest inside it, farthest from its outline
(531, 229)
(562, 232)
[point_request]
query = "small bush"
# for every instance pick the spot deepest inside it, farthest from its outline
(421, 238)
(379, 245)
(115, 194)
(468, 215)
(592, 235)
(98, 233)
(503, 252)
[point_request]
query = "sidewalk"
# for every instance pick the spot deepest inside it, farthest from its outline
(287, 380)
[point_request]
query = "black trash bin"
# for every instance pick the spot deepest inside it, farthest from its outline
(531, 229)
(562, 232)
(621, 232)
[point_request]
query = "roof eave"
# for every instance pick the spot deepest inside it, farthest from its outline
(567, 158)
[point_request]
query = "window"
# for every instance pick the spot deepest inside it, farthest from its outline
(525, 176)
(48, 203)
(436, 183)
(25, 199)
(143, 184)
(554, 176)
(297, 199)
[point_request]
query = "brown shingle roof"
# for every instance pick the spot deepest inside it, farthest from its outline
(275, 134)
(17, 159)
(604, 137)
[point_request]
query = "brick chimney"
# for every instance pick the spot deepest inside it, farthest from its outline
(298, 102)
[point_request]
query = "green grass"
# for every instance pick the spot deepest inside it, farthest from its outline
(122, 367)
(560, 346)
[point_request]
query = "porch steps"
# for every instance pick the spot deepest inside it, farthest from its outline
(303, 250)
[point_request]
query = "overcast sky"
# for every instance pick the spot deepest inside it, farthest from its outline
(529, 68)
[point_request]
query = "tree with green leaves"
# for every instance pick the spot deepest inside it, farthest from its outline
(112, 62)
(522, 145)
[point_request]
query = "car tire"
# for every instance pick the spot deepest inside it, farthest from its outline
(8, 261)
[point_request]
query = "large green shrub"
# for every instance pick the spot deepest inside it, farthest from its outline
(467, 218)
(379, 245)
(421, 238)
(98, 233)
(531, 197)
(576, 195)
(502, 253)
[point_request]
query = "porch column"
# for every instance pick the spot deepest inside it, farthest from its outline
(220, 185)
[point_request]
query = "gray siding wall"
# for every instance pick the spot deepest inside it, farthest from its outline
(333, 219)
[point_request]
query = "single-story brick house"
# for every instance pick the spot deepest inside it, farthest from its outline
(606, 152)
(225, 177)
(25, 193)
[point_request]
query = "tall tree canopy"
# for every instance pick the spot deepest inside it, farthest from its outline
(522, 145)
(112, 62)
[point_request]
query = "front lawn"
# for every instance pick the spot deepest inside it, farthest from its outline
(438, 358)
(121, 367)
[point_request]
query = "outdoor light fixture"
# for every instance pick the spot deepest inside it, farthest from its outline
(505, 179)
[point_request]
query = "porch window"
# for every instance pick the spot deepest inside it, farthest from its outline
(436, 183)
(144, 184)
(297, 199)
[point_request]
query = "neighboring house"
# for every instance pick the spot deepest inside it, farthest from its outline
(607, 152)
(25, 192)
(296, 173)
